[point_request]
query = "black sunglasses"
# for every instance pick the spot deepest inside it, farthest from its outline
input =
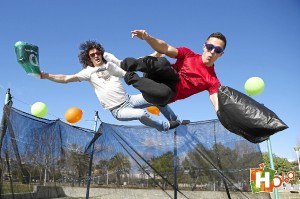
(94, 54)
(210, 47)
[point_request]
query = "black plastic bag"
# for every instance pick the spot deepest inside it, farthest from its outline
(246, 117)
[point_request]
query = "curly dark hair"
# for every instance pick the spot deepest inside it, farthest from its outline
(219, 36)
(85, 47)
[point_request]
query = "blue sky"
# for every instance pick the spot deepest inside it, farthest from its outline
(263, 40)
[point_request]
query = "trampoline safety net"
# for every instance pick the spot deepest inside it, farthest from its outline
(198, 160)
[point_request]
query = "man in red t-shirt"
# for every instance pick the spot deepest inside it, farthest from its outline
(165, 83)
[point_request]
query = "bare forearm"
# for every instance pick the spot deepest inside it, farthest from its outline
(214, 101)
(59, 78)
(158, 45)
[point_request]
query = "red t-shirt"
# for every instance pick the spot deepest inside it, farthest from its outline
(194, 76)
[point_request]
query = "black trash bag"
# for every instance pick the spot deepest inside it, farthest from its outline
(246, 117)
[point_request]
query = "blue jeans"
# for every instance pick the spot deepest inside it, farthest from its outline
(133, 109)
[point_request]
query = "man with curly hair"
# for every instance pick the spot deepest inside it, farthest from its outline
(104, 77)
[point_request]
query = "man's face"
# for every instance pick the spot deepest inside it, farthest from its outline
(96, 57)
(212, 50)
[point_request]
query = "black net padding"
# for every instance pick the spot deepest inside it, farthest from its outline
(200, 156)
(245, 117)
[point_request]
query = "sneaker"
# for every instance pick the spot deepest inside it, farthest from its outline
(185, 122)
(129, 64)
(128, 77)
(173, 124)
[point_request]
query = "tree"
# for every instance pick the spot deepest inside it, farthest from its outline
(280, 164)
(77, 164)
(164, 164)
(119, 164)
(144, 169)
(197, 166)
(202, 164)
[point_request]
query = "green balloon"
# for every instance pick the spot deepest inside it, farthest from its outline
(254, 86)
(39, 109)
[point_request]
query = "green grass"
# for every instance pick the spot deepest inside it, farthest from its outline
(16, 188)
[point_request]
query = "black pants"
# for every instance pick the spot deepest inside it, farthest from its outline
(158, 85)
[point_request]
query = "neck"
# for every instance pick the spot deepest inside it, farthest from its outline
(99, 65)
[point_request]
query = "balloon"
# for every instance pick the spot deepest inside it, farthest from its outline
(254, 86)
(153, 109)
(73, 115)
(39, 109)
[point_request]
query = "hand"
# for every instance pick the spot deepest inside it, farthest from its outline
(142, 34)
(108, 56)
(43, 75)
(111, 58)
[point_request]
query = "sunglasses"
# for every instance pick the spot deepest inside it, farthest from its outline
(210, 47)
(94, 54)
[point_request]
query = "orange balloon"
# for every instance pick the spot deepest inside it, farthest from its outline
(153, 109)
(73, 115)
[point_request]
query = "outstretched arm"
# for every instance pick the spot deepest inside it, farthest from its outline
(214, 101)
(59, 78)
(158, 45)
